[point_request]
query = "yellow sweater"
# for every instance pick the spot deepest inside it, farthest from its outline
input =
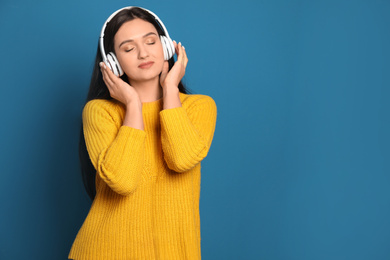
(147, 181)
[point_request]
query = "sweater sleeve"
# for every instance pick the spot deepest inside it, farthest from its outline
(116, 152)
(187, 133)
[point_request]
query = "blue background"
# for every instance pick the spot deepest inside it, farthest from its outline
(299, 165)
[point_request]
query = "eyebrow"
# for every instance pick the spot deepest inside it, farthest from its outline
(130, 40)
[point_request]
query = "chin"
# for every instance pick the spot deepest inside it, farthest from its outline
(145, 75)
(140, 78)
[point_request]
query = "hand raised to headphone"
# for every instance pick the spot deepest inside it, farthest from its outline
(172, 78)
(118, 89)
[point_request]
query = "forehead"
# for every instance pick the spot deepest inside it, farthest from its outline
(133, 30)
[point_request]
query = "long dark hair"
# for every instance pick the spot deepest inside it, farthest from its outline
(99, 90)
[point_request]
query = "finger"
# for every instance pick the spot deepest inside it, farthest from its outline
(185, 58)
(179, 53)
(165, 68)
(106, 78)
(164, 71)
(175, 45)
(112, 77)
(177, 49)
(103, 69)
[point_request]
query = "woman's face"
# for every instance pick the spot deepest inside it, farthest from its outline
(139, 50)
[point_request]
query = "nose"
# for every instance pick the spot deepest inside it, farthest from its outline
(142, 52)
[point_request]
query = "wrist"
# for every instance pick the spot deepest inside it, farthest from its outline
(170, 89)
(132, 105)
(171, 98)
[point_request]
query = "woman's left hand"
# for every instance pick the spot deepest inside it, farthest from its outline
(172, 78)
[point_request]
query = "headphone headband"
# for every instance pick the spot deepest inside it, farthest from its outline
(101, 40)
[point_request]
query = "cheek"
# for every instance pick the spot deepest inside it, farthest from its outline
(126, 61)
(159, 51)
(158, 55)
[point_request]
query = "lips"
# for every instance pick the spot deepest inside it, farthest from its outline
(146, 65)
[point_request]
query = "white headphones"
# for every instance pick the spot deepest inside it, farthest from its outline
(111, 60)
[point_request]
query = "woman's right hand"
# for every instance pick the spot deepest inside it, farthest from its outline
(118, 89)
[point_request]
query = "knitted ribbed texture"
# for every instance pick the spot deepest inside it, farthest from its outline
(147, 181)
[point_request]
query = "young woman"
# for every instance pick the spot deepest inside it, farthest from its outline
(145, 137)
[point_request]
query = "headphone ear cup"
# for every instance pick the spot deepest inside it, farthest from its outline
(168, 47)
(114, 64)
(111, 63)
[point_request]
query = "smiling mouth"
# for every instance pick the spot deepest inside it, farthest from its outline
(146, 65)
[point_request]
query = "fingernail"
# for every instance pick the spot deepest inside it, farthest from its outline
(180, 43)
(101, 64)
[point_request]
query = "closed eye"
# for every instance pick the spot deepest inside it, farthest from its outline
(151, 39)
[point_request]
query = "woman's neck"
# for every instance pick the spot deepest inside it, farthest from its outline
(148, 91)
